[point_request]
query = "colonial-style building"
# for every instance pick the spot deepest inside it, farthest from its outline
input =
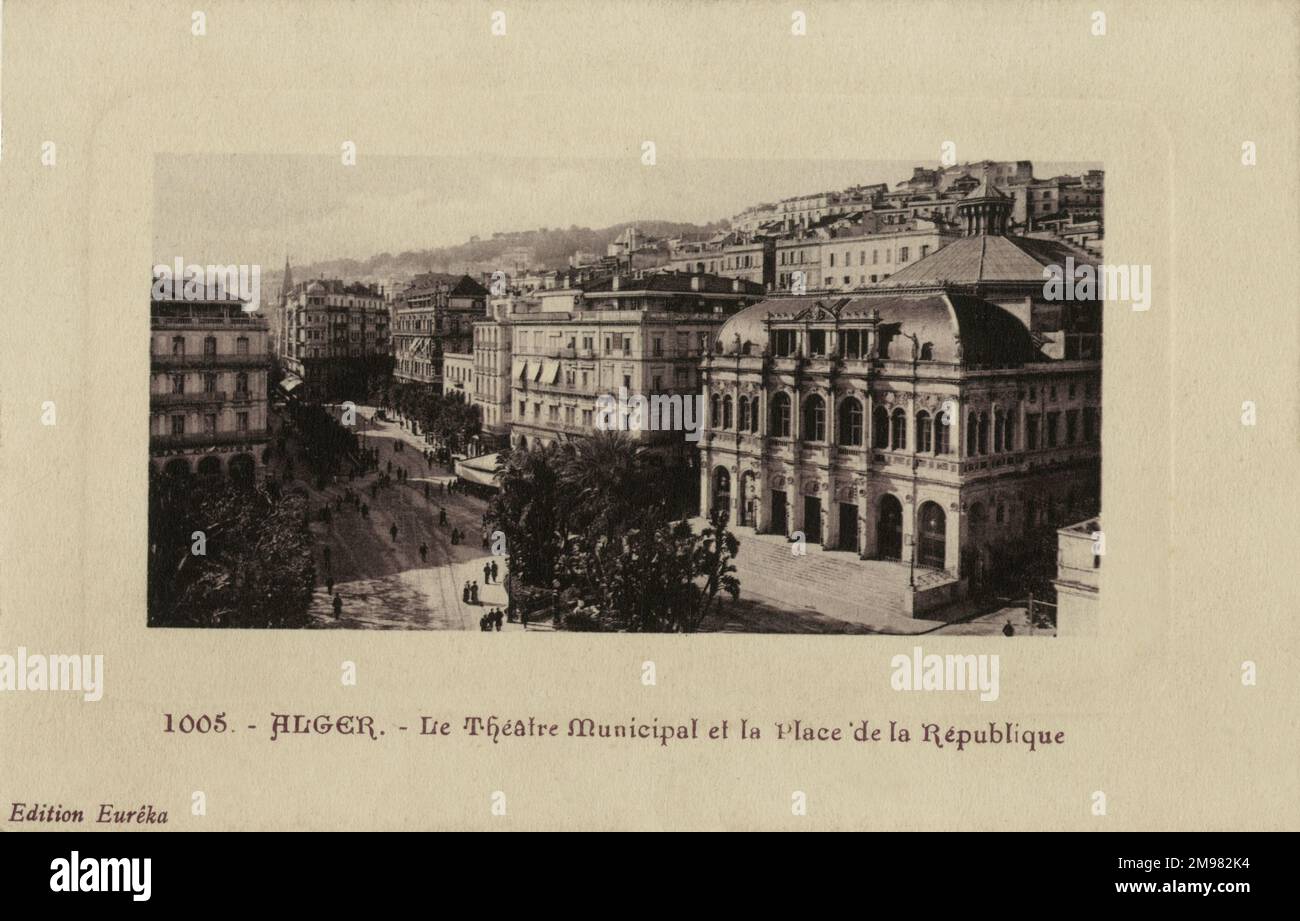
(643, 336)
(1080, 548)
(941, 418)
(207, 392)
(335, 339)
(433, 317)
(492, 362)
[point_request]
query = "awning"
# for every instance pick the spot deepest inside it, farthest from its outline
(290, 383)
(517, 373)
(481, 470)
(550, 372)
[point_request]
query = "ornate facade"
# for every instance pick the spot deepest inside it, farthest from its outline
(207, 394)
(938, 420)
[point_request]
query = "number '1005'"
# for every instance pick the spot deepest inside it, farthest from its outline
(200, 724)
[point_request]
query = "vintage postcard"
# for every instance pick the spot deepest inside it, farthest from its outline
(648, 415)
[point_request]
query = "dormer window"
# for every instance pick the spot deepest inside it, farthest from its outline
(854, 343)
(784, 342)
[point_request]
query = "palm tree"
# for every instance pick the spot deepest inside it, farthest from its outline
(531, 510)
(609, 478)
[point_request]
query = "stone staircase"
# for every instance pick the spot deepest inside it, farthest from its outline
(831, 582)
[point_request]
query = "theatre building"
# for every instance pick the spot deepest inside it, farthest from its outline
(944, 420)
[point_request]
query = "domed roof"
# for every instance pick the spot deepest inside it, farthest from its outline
(954, 328)
(745, 332)
(985, 189)
(988, 259)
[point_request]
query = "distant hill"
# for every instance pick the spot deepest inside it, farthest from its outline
(551, 249)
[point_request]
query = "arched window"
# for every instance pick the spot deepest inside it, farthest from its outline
(779, 426)
(923, 431)
(927, 351)
(742, 412)
(726, 412)
(998, 428)
(880, 428)
(850, 422)
(753, 415)
(1009, 432)
(942, 434)
(715, 412)
(814, 414)
(898, 430)
(983, 441)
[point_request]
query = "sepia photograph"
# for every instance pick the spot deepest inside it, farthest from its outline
(760, 397)
(647, 416)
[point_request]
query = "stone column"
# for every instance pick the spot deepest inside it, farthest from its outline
(867, 514)
(706, 484)
(951, 539)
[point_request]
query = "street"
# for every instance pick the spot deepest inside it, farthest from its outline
(383, 583)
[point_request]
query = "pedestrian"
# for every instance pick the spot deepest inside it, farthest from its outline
(365, 510)
(487, 574)
(329, 585)
(393, 532)
(523, 619)
(338, 606)
(464, 593)
(473, 592)
(496, 617)
(326, 555)
(493, 569)
(485, 540)
(426, 491)
(424, 553)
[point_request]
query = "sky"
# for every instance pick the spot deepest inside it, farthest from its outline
(258, 209)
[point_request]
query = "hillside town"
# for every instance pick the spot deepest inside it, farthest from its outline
(898, 430)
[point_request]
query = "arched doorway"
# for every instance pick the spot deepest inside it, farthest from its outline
(931, 545)
(210, 466)
(889, 529)
(722, 489)
(177, 467)
(241, 469)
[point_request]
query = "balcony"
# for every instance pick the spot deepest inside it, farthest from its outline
(183, 399)
(218, 360)
(165, 322)
(208, 439)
